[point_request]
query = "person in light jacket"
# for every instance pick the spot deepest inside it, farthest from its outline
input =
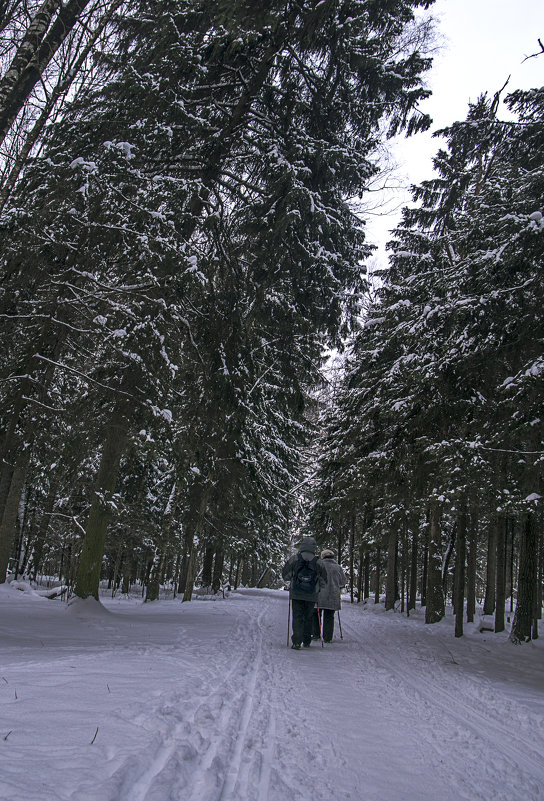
(328, 598)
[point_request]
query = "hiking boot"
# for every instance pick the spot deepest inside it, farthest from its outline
(296, 646)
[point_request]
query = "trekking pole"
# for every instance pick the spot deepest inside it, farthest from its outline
(288, 621)
(340, 624)
(320, 626)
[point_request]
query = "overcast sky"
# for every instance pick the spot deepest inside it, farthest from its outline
(483, 42)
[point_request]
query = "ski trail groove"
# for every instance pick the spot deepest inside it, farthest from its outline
(235, 766)
(457, 710)
(268, 758)
(180, 727)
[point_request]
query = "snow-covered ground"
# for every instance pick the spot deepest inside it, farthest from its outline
(204, 702)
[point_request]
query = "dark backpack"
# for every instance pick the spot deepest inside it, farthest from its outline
(305, 576)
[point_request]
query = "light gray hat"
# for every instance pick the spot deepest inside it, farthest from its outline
(327, 554)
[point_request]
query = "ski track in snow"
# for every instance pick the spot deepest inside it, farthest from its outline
(204, 702)
(473, 726)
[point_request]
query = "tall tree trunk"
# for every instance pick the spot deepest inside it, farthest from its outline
(254, 572)
(190, 574)
(390, 581)
(425, 561)
(90, 563)
(11, 510)
(366, 590)
(43, 525)
(500, 589)
(163, 551)
(156, 575)
(460, 557)
(360, 573)
(194, 534)
(509, 567)
(435, 607)
(516, 532)
(58, 94)
(413, 567)
(207, 565)
(237, 572)
(219, 560)
(540, 580)
(246, 571)
(522, 627)
(231, 569)
(340, 545)
(491, 571)
(36, 51)
(187, 547)
(116, 568)
(351, 557)
(16, 450)
(128, 568)
(472, 562)
(446, 562)
(26, 50)
(377, 576)
(404, 589)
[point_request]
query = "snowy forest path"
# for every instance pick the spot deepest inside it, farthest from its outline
(474, 715)
(204, 702)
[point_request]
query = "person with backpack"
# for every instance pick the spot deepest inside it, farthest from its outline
(307, 576)
(328, 598)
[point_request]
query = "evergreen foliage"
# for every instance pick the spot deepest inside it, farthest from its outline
(175, 261)
(440, 409)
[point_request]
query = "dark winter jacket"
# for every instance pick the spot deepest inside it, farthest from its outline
(329, 595)
(307, 550)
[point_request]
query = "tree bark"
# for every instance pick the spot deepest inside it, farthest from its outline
(43, 525)
(187, 545)
(246, 571)
(377, 577)
(491, 571)
(196, 529)
(460, 557)
(58, 93)
(237, 572)
(36, 51)
(447, 558)
(351, 558)
(207, 565)
(413, 568)
(472, 562)
(390, 581)
(435, 606)
(366, 590)
(522, 627)
(219, 560)
(11, 510)
(90, 563)
(500, 588)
